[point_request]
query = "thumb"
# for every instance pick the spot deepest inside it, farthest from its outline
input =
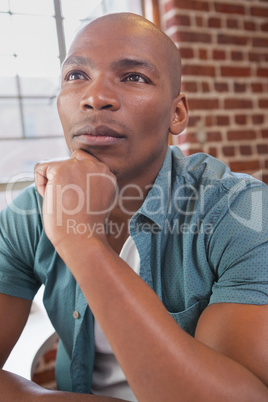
(80, 155)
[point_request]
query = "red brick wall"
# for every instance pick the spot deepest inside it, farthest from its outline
(224, 50)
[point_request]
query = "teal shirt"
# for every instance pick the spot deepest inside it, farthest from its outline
(201, 235)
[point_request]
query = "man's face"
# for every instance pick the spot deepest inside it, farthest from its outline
(116, 99)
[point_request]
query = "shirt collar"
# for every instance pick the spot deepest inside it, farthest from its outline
(156, 205)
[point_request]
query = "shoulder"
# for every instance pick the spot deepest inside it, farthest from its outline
(211, 178)
(23, 213)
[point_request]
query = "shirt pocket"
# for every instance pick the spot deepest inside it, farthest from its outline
(188, 318)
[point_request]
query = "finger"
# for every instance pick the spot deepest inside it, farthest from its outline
(41, 177)
(80, 155)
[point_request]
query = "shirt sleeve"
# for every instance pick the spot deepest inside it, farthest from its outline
(20, 226)
(238, 249)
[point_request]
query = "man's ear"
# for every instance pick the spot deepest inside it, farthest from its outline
(180, 115)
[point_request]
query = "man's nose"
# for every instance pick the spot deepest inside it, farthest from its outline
(99, 95)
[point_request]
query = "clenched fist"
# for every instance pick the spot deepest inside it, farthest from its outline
(78, 192)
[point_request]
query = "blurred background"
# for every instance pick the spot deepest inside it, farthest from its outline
(224, 49)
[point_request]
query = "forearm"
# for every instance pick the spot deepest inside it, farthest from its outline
(14, 388)
(160, 360)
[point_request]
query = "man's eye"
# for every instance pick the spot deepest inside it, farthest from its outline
(75, 75)
(136, 78)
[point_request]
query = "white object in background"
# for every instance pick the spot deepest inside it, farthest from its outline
(37, 331)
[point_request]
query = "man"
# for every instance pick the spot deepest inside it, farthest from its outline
(154, 265)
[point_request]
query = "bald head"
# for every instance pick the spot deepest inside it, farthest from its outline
(146, 30)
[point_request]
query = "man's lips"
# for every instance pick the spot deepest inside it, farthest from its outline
(100, 135)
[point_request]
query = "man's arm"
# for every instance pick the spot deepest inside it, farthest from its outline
(13, 315)
(160, 360)
(239, 331)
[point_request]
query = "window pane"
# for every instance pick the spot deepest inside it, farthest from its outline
(41, 118)
(8, 72)
(37, 7)
(71, 27)
(77, 17)
(40, 66)
(6, 45)
(4, 6)
(18, 157)
(10, 121)
(80, 9)
(8, 65)
(8, 86)
(116, 6)
(35, 35)
(39, 86)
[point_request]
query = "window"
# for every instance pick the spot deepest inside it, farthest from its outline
(34, 37)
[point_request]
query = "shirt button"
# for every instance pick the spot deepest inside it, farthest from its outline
(76, 315)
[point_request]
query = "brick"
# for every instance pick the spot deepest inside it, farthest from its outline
(203, 54)
(257, 119)
(229, 8)
(214, 136)
(193, 120)
(262, 149)
(257, 87)
(199, 21)
(169, 6)
(260, 42)
(44, 377)
(197, 70)
(253, 56)
(221, 87)
(241, 119)
(189, 86)
(265, 178)
(262, 72)
(232, 24)
(205, 87)
(259, 11)
(263, 103)
(210, 121)
(229, 71)
(224, 39)
(264, 27)
(195, 37)
(214, 22)
(238, 87)
(178, 21)
(237, 56)
(250, 26)
(222, 120)
(213, 152)
(228, 151)
(203, 104)
(189, 137)
(186, 53)
(241, 135)
(50, 355)
(219, 55)
(192, 151)
(245, 150)
(195, 5)
(244, 166)
(231, 103)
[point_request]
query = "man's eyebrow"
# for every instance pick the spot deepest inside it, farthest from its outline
(121, 63)
(77, 60)
(132, 63)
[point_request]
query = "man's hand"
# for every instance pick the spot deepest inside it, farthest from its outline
(78, 192)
